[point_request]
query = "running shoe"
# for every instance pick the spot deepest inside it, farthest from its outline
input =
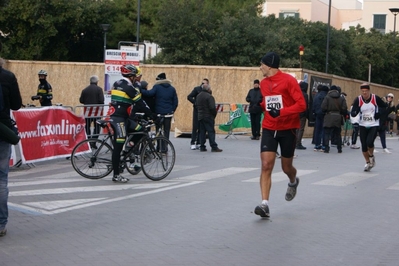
(120, 179)
(3, 232)
(372, 161)
(262, 210)
(387, 151)
(367, 167)
(291, 190)
(193, 147)
(354, 146)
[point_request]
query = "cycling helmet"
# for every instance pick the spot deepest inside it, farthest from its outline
(42, 72)
(129, 70)
(139, 72)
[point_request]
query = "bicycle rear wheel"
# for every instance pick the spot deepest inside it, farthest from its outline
(157, 158)
(94, 163)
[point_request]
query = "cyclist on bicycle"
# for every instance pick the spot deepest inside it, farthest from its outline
(125, 102)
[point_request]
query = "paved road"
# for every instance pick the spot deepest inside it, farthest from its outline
(202, 214)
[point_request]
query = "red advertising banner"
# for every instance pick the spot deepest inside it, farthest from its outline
(48, 133)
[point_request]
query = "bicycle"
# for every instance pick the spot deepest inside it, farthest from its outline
(155, 154)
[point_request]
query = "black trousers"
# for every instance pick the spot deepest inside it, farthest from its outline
(255, 124)
(207, 125)
(329, 133)
(195, 128)
(166, 124)
(96, 128)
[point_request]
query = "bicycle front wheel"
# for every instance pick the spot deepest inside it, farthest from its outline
(157, 158)
(92, 158)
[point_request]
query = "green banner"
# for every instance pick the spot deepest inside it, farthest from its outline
(237, 119)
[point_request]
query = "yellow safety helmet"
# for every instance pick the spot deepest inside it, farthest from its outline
(139, 72)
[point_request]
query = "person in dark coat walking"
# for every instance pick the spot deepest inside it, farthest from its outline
(254, 98)
(166, 100)
(334, 106)
(206, 106)
(302, 116)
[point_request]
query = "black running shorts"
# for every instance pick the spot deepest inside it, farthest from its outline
(271, 139)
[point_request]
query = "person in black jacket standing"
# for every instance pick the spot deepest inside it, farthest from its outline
(92, 94)
(254, 98)
(302, 116)
(195, 127)
(206, 106)
(11, 99)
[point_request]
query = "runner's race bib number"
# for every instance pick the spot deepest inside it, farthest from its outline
(274, 102)
(367, 118)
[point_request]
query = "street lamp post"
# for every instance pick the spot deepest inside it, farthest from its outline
(138, 24)
(105, 28)
(328, 35)
(395, 11)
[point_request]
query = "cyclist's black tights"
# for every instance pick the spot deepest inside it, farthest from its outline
(116, 155)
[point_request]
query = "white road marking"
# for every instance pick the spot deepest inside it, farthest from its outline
(75, 207)
(59, 206)
(56, 204)
(394, 187)
(345, 179)
(280, 176)
(42, 182)
(50, 176)
(216, 174)
(112, 187)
